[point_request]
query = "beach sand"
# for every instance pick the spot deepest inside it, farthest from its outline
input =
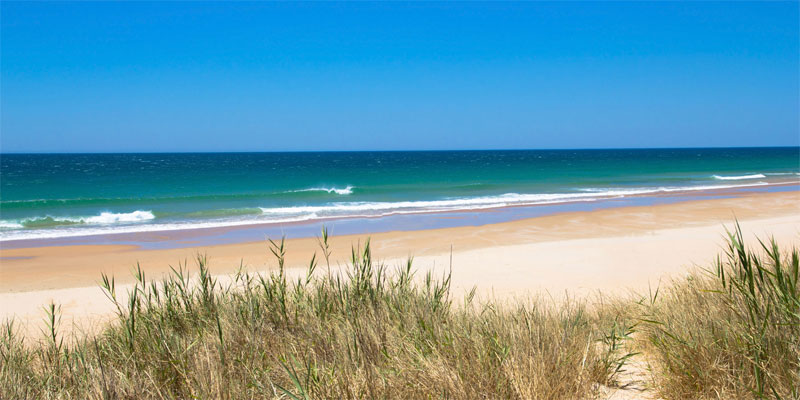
(611, 251)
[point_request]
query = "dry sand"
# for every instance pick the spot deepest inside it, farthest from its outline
(611, 250)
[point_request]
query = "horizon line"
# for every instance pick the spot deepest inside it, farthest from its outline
(397, 151)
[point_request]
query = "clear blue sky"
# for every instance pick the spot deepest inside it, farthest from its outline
(235, 76)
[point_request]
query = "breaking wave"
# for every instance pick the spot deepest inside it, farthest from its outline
(738, 177)
(344, 191)
(105, 218)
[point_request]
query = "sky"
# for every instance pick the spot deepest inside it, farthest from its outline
(238, 76)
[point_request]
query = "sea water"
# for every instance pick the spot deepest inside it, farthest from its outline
(67, 195)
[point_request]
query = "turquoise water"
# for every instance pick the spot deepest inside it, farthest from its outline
(61, 195)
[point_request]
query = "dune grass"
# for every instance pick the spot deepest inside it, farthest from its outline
(368, 333)
(732, 331)
(375, 332)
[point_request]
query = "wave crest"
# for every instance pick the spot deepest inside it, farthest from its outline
(345, 191)
(10, 225)
(738, 177)
(105, 218)
(114, 218)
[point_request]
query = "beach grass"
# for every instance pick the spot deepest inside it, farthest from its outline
(366, 333)
(730, 331)
(378, 332)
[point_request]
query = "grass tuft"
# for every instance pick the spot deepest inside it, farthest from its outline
(732, 331)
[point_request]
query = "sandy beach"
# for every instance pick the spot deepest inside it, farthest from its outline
(613, 251)
(519, 200)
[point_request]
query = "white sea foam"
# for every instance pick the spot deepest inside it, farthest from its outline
(738, 177)
(115, 218)
(346, 190)
(708, 187)
(466, 204)
(105, 218)
(10, 225)
(85, 230)
(379, 208)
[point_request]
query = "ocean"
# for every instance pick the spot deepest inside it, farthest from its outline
(69, 195)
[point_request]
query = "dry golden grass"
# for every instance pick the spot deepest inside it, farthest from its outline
(731, 332)
(367, 334)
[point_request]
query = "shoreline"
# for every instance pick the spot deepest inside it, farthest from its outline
(21, 265)
(579, 253)
(405, 221)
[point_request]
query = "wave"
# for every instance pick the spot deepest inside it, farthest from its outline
(113, 218)
(105, 218)
(146, 221)
(84, 230)
(10, 225)
(345, 191)
(362, 209)
(377, 208)
(48, 221)
(738, 177)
